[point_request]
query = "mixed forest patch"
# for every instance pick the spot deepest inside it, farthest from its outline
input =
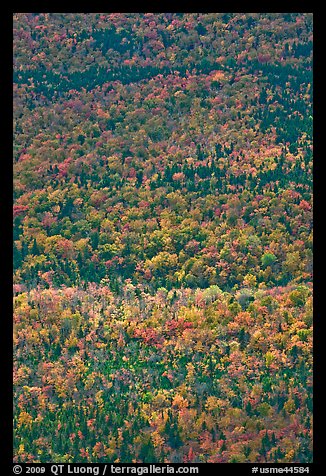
(163, 237)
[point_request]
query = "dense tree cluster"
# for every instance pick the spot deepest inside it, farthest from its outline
(181, 376)
(164, 163)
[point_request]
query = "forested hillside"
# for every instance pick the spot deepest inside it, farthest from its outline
(163, 237)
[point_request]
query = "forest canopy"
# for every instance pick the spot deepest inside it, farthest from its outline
(162, 237)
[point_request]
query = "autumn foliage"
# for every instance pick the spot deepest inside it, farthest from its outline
(163, 237)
